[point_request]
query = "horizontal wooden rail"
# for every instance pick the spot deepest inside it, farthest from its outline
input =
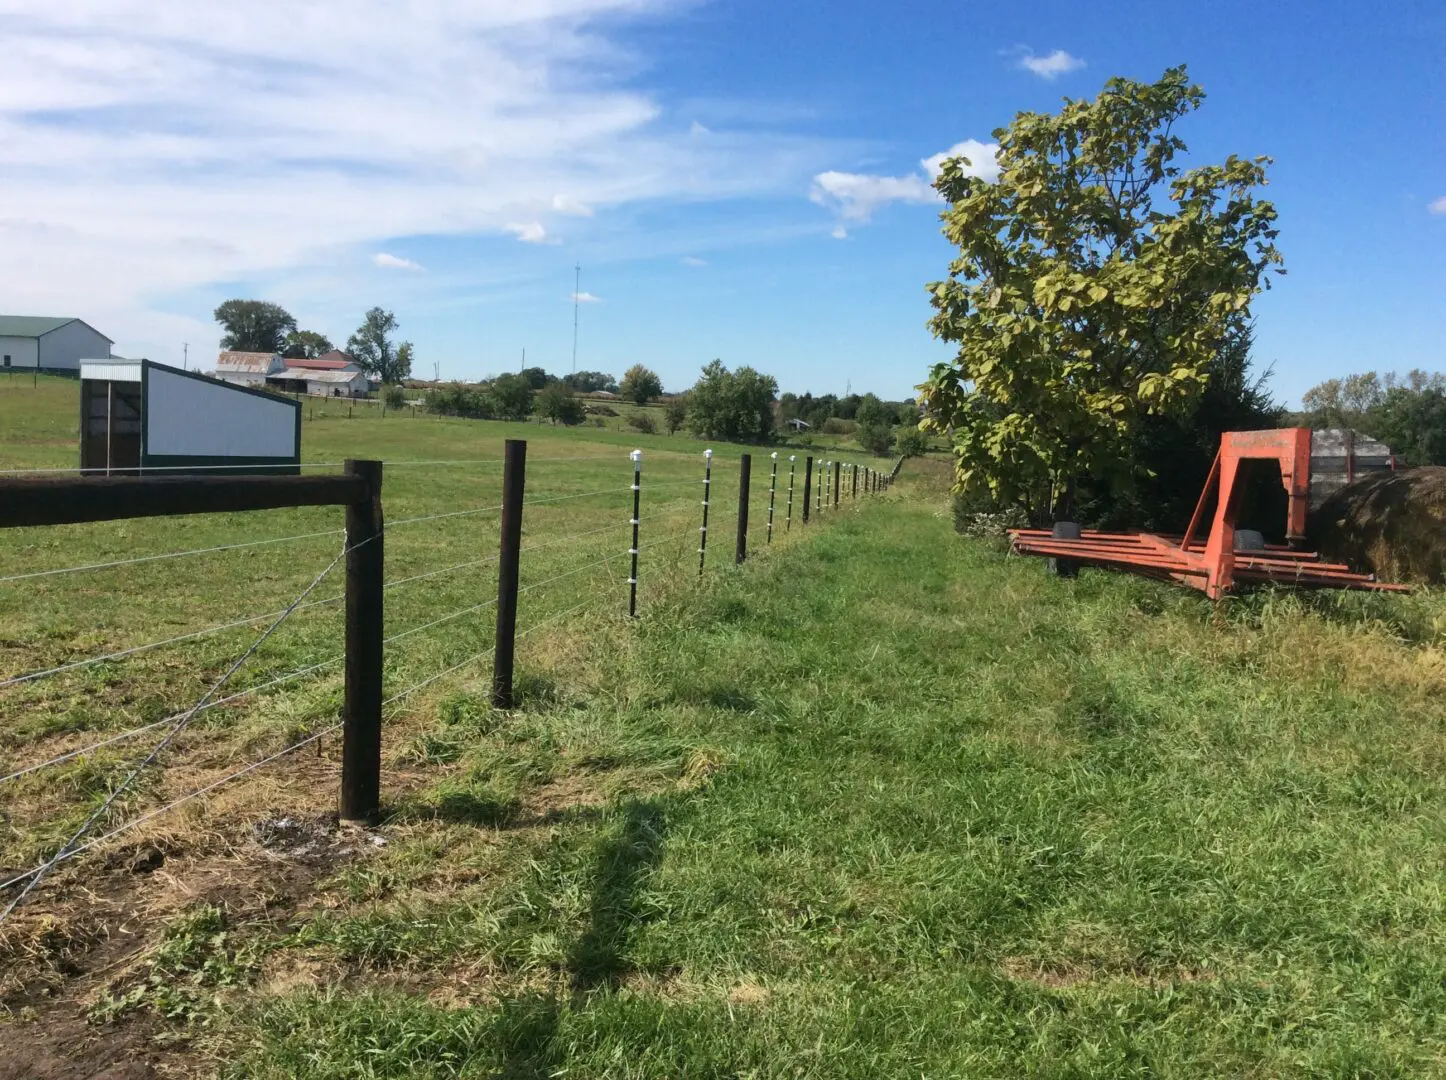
(73, 499)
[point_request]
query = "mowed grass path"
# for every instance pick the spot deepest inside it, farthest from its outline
(891, 804)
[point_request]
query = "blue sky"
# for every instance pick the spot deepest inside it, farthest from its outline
(454, 161)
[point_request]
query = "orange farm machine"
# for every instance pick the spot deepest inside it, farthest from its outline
(1226, 556)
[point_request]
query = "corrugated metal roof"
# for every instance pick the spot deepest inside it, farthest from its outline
(259, 362)
(321, 363)
(312, 375)
(30, 325)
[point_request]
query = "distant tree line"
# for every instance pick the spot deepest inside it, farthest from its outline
(1406, 412)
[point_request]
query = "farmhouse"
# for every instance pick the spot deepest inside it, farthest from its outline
(34, 342)
(247, 368)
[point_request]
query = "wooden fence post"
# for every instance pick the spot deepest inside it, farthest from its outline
(745, 469)
(514, 482)
(837, 472)
(361, 740)
(807, 486)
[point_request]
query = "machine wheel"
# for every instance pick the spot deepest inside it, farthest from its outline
(1249, 540)
(1064, 568)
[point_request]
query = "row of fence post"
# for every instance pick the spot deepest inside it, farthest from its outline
(365, 582)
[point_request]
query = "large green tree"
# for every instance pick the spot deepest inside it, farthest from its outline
(735, 405)
(254, 326)
(306, 345)
(1096, 283)
(640, 384)
(372, 348)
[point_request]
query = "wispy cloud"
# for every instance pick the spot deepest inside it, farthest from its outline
(856, 196)
(532, 232)
(1052, 66)
(566, 204)
(1439, 206)
(584, 298)
(394, 262)
(693, 260)
(154, 150)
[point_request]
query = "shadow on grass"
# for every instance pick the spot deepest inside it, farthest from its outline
(624, 864)
(527, 1027)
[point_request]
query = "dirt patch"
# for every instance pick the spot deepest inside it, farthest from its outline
(1392, 524)
(87, 934)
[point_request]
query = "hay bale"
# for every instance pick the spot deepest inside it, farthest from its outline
(1392, 524)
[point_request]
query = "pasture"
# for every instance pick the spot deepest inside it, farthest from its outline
(882, 801)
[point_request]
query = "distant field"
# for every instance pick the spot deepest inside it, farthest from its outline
(883, 803)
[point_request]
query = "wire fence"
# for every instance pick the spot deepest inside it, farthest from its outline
(614, 547)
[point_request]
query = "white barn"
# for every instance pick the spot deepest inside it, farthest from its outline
(247, 368)
(35, 342)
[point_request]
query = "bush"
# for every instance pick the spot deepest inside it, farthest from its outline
(455, 399)
(875, 438)
(911, 442)
(837, 426)
(559, 404)
(643, 422)
(676, 414)
(732, 405)
(393, 396)
(983, 517)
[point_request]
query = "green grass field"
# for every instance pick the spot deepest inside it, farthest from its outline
(882, 802)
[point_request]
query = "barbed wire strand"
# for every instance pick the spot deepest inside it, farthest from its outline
(133, 732)
(170, 735)
(43, 868)
(169, 555)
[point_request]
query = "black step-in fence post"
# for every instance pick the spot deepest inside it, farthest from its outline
(807, 485)
(703, 532)
(745, 469)
(837, 473)
(772, 492)
(788, 518)
(361, 739)
(854, 484)
(637, 456)
(514, 481)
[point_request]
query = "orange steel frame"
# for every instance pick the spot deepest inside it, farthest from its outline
(1290, 447)
(1215, 566)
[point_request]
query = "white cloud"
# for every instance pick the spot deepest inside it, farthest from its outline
(152, 150)
(839, 233)
(1439, 206)
(981, 158)
(566, 204)
(1052, 66)
(394, 262)
(531, 233)
(584, 298)
(855, 196)
(693, 260)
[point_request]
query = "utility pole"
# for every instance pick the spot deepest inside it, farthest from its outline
(185, 355)
(576, 286)
(524, 359)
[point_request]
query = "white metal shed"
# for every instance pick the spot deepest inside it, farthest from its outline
(139, 415)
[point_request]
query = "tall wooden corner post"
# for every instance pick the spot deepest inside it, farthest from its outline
(361, 740)
(514, 481)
